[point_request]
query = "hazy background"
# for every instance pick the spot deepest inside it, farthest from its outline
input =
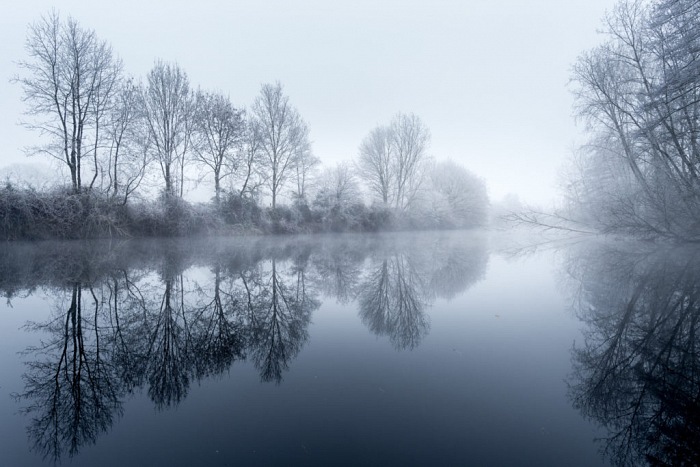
(488, 78)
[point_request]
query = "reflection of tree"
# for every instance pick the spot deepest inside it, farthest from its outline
(339, 273)
(73, 393)
(455, 265)
(403, 282)
(220, 332)
(280, 315)
(169, 344)
(158, 323)
(392, 302)
(152, 325)
(638, 371)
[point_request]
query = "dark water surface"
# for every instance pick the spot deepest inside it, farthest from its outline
(410, 349)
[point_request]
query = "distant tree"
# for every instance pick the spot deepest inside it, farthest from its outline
(339, 188)
(394, 160)
(70, 78)
(251, 174)
(375, 163)
(218, 134)
(167, 105)
(304, 170)
(458, 197)
(283, 135)
(410, 138)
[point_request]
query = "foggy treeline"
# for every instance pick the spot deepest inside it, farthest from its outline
(159, 316)
(128, 150)
(639, 95)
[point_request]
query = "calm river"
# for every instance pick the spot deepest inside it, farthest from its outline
(394, 349)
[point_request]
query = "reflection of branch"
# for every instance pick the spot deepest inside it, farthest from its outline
(639, 370)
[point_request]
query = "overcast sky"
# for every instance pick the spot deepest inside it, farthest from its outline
(489, 78)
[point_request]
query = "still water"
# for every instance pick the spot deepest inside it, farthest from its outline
(400, 349)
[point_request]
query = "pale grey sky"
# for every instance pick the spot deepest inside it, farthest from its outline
(488, 77)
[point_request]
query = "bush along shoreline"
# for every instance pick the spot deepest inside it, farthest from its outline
(30, 214)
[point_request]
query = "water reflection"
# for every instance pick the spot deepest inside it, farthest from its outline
(160, 316)
(638, 370)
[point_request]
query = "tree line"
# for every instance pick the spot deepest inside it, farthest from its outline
(121, 141)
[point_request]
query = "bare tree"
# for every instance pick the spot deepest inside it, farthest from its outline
(127, 157)
(70, 78)
(218, 133)
(283, 135)
(640, 95)
(304, 170)
(375, 163)
(394, 160)
(339, 188)
(166, 108)
(410, 138)
(251, 175)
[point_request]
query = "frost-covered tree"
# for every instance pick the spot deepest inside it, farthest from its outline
(338, 187)
(68, 82)
(456, 197)
(375, 164)
(218, 131)
(167, 106)
(283, 136)
(639, 93)
(393, 160)
(127, 156)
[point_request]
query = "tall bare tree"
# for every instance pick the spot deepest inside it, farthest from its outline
(283, 135)
(68, 83)
(394, 160)
(640, 94)
(375, 163)
(251, 175)
(218, 134)
(127, 157)
(304, 171)
(167, 104)
(410, 138)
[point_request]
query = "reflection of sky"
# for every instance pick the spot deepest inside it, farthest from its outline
(488, 78)
(487, 382)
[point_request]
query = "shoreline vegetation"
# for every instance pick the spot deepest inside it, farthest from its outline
(127, 150)
(130, 149)
(29, 214)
